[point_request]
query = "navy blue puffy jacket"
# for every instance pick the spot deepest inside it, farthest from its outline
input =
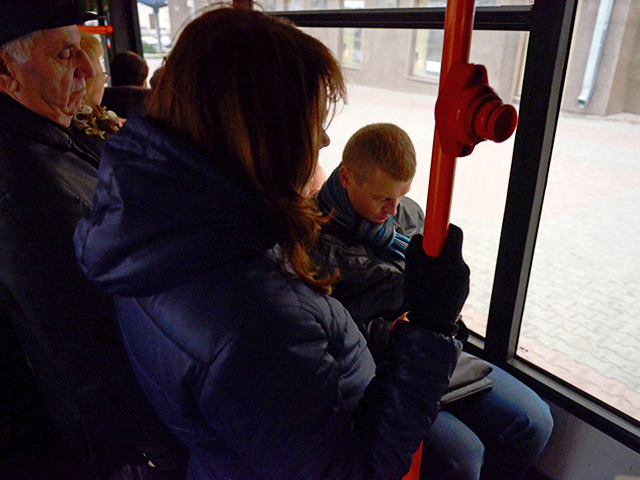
(258, 375)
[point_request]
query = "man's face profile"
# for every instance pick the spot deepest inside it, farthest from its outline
(377, 198)
(53, 82)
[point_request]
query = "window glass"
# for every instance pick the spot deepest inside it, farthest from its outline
(276, 5)
(156, 21)
(581, 319)
(384, 90)
(582, 309)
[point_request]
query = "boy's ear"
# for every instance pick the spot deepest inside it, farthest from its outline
(346, 176)
(8, 81)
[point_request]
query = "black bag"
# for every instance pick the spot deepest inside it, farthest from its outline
(469, 377)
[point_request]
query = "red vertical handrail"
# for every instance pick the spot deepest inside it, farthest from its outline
(458, 26)
(414, 471)
(457, 43)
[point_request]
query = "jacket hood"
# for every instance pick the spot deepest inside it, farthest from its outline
(163, 214)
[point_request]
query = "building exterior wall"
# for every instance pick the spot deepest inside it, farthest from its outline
(610, 92)
(181, 12)
(631, 45)
(388, 54)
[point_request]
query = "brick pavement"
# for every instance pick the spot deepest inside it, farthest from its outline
(582, 316)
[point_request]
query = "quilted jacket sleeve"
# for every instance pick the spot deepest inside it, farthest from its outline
(289, 404)
(402, 401)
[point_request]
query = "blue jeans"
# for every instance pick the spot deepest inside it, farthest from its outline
(494, 435)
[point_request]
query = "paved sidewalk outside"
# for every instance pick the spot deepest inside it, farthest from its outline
(582, 316)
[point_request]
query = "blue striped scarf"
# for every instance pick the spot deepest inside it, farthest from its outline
(333, 199)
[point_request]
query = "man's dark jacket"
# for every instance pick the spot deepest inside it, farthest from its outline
(53, 317)
(371, 282)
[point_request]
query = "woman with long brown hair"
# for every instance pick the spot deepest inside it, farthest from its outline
(201, 229)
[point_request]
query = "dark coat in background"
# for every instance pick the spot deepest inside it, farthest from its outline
(126, 101)
(77, 378)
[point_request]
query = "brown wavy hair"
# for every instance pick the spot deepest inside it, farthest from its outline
(249, 90)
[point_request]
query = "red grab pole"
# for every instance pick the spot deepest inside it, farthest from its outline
(457, 43)
(467, 112)
(97, 30)
(414, 471)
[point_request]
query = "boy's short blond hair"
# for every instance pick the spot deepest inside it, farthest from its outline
(382, 145)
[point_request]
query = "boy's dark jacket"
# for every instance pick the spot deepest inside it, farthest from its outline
(260, 376)
(65, 326)
(371, 287)
(371, 283)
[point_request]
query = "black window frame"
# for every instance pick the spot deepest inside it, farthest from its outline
(550, 25)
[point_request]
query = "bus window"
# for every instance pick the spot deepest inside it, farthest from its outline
(156, 28)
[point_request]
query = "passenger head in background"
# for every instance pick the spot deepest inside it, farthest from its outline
(255, 94)
(128, 94)
(128, 68)
(92, 46)
(378, 166)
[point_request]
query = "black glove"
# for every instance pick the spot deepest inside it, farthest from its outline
(436, 288)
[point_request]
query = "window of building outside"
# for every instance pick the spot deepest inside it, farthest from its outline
(384, 4)
(293, 5)
(427, 50)
(268, 5)
(351, 53)
(427, 54)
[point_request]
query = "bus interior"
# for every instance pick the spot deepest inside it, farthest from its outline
(550, 215)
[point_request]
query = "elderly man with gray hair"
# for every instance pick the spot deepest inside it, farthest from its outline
(70, 407)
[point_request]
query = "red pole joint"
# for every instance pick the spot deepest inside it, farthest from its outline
(468, 111)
